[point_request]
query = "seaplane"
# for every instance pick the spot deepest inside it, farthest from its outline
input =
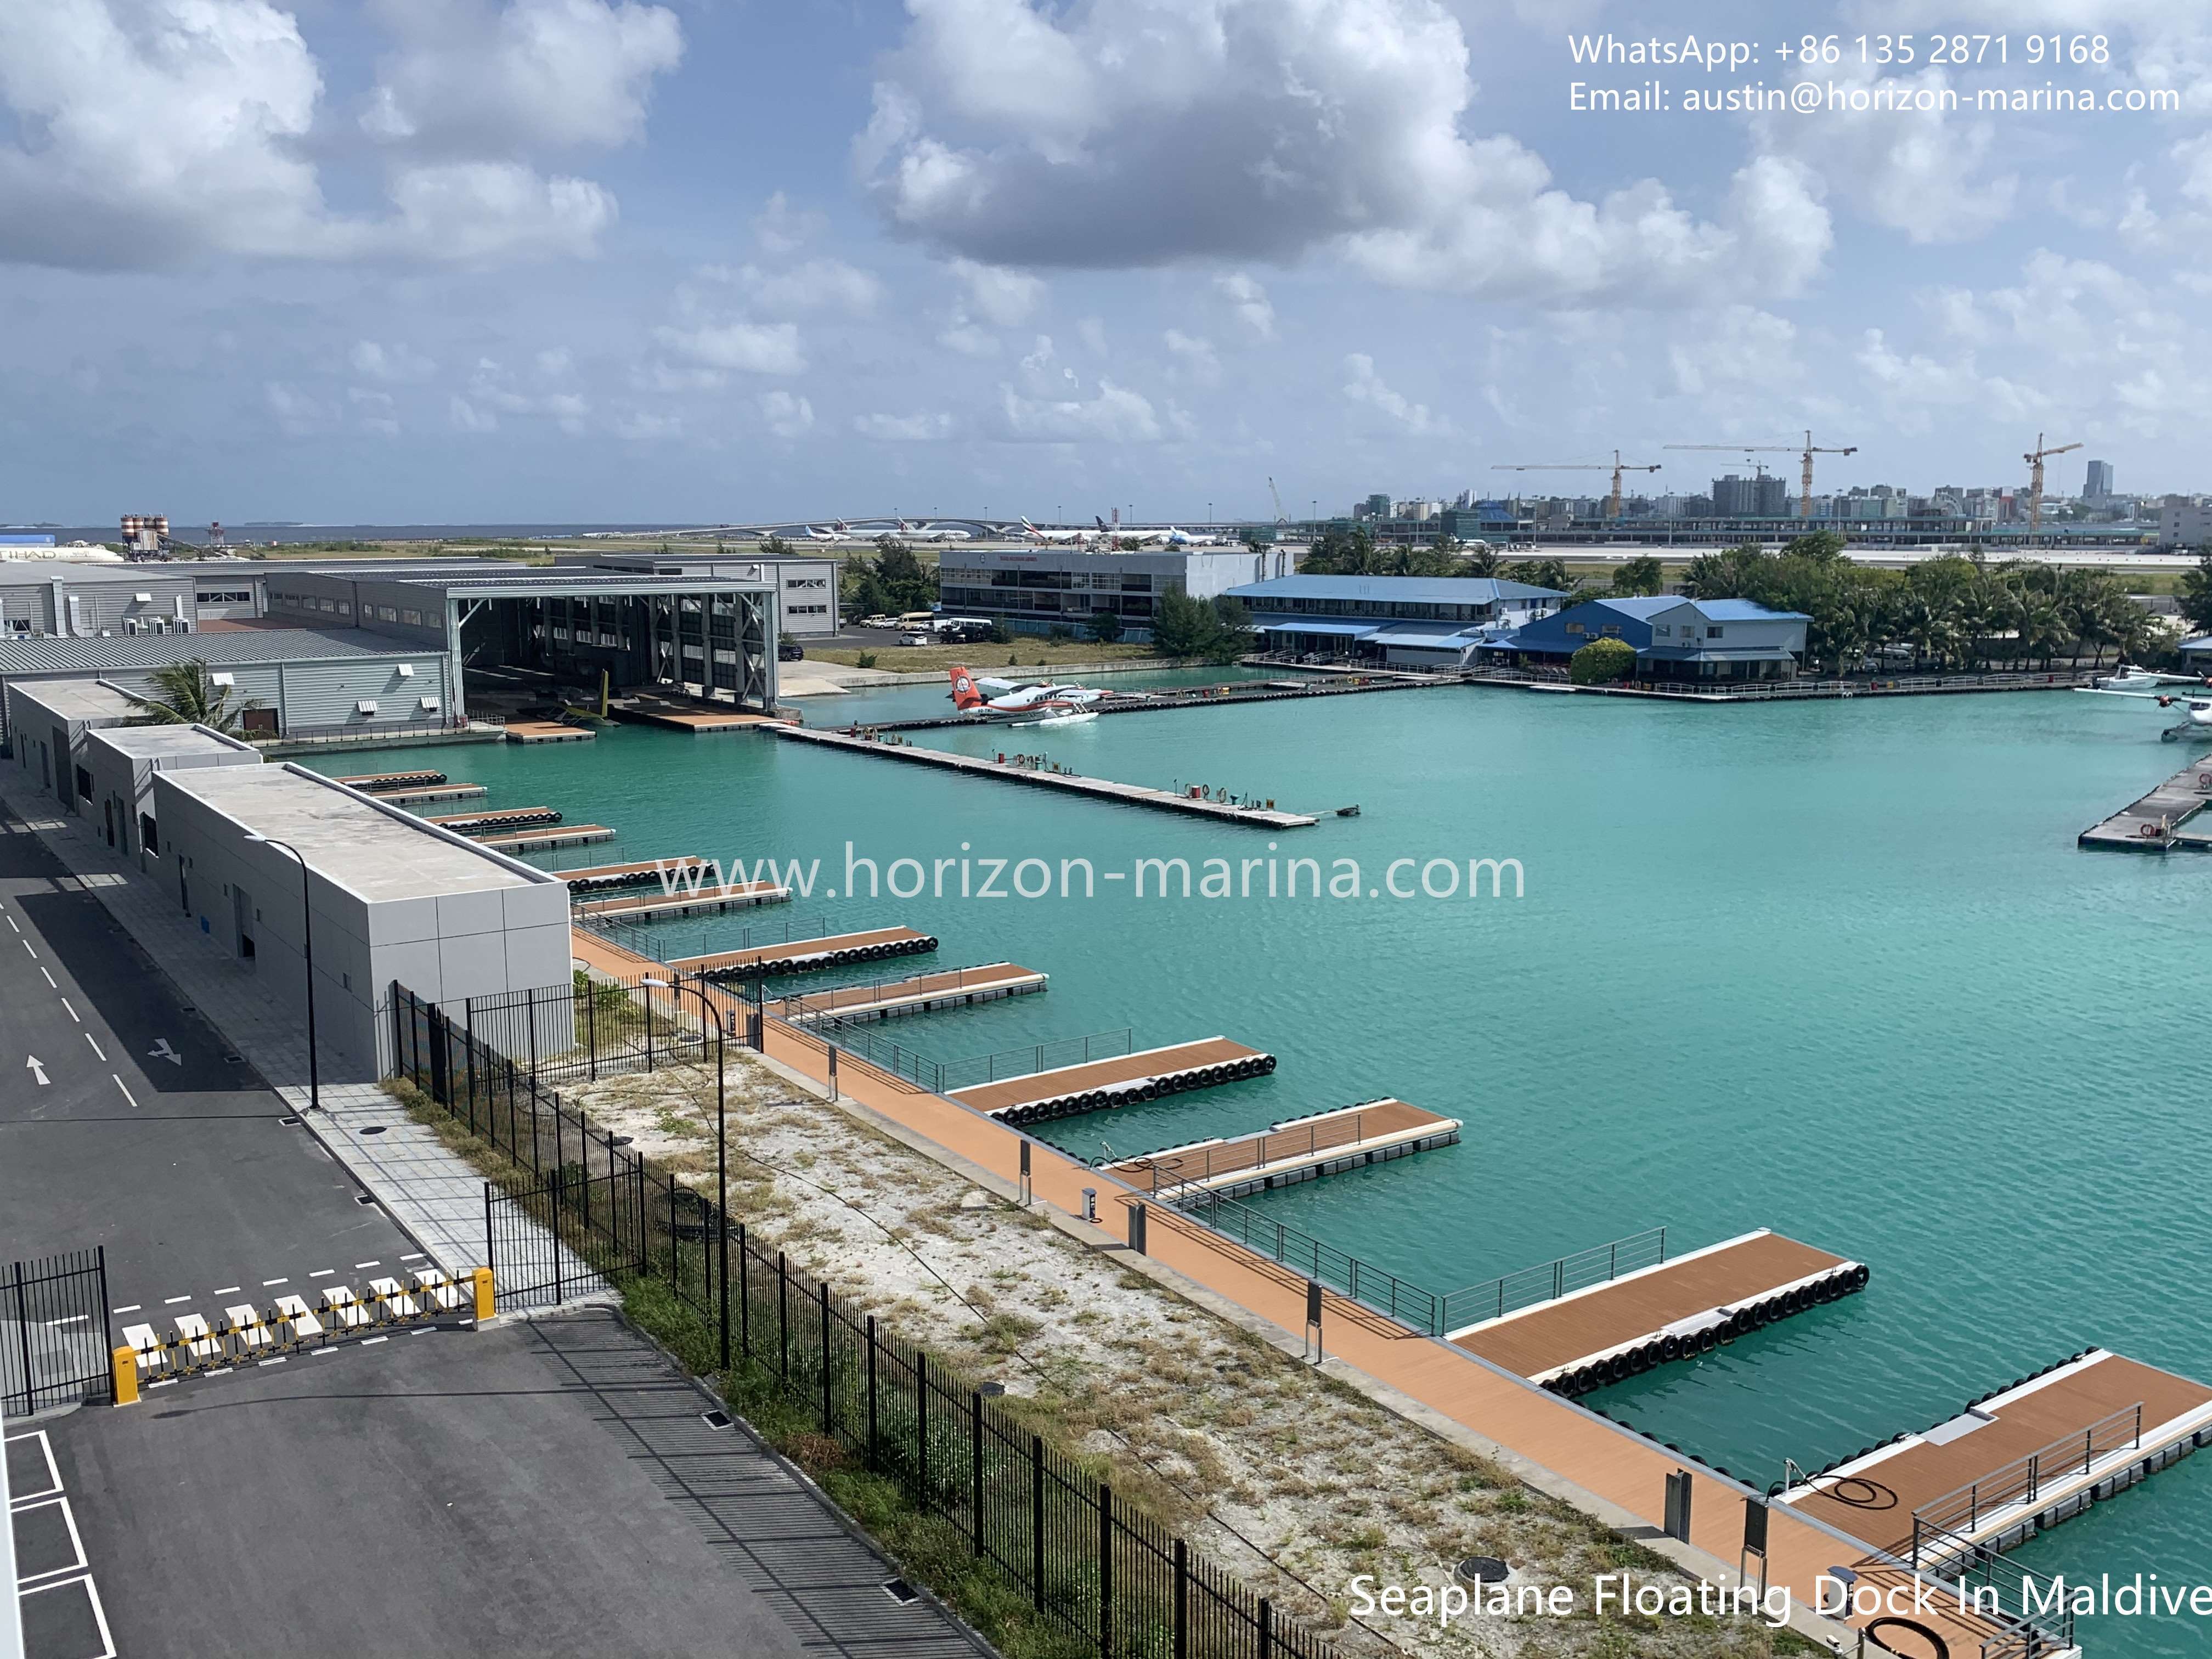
(1051, 704)
(2128, 677)
(2196, 711)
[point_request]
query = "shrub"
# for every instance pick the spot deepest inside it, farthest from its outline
(1601, 662)
(1104, 627)
(866, 660)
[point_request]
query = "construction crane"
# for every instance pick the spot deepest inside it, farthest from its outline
(1281, 517)
(1617, 467)
(1806, 450)
(2035, 457)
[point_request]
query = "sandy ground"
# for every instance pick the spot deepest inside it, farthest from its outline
(1281, 1473)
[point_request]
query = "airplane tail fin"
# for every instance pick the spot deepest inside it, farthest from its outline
(965, 696)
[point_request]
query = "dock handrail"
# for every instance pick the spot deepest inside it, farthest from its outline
(1550, 1280)
(1253, 1152)
(866, 1039)
(1364, 1282)
(2021, 1481)
(821, 1003)
(2033, 1617)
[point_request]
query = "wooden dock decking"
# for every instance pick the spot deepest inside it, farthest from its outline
(595, 877)
(544, 840)
(1297, 1149)
(2159, 821)
(1093, 1085)
(504, 817)
(2022, 1460)
(883, 998)
(806, 955)
(736, 895)
(1128, 795)
(547, 732)
(699, 722)
(1621, 1326)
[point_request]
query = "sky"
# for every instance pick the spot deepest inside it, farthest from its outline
(403, 261)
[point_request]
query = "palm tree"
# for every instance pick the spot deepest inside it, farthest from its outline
(185, 694)
(2042, 630)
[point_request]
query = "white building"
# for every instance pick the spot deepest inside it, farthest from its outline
(121, 761)
(2185, 521)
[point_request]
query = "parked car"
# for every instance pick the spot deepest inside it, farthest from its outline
(915, 639)
(790, 651)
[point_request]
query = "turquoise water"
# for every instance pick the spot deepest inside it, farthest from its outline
(1836, 969)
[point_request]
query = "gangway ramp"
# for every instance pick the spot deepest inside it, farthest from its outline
(1576, 1340)
(807, 955)
(1123, 1080)
(1297, 1149)
(2015, 1462)
(882, 999)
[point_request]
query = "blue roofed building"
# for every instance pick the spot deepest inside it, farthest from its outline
(1676, 638)
(1406, 622)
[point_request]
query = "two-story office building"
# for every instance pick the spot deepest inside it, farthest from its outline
(1034, 590)
(1674, 638)
(1409, 622)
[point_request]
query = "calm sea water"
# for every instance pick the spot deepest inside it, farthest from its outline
(1835, 968)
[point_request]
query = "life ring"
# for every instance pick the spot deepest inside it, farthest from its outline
(2204, 779)
(2152, 831)
(1937, 1647)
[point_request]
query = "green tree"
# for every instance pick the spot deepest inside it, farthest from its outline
(2195, 595)
(1601, 662)
(775, 547)
(1482, 560)
(1218, 632)
(1638, 576)
(891, 582)
(1104, 627)
(185, 694)
(1541, 573)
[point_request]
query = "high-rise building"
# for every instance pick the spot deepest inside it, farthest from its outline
(2099, 485)
(1759, 497)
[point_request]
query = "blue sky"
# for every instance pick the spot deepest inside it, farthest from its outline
(424, 260)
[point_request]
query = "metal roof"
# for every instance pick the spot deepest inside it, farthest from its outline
(1745, 611)
(1441, 636)
(1394, 590)
(258, 645)
(1358, 631)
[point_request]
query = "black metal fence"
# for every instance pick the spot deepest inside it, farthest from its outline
(54, 1345)
(1107, 1574)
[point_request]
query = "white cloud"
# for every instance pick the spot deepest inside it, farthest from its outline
(491, 387)
(787, 415)
(1367, 388)
(1249, 301)
(1196, 355)
(968, 339)
(473, 78)
(816, 285)
(1117, 415)
(752, 348)
(391, 364)
(375, 410)
(473, 211)
(297, 413)
(781, 228)
(1092, 332)
(647, 426)
(1125, 133)
(1006, 298)
(923, 428)
(1742, 346)
(464, 417)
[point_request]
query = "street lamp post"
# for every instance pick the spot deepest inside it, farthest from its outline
(307, 950)
(713, 1017)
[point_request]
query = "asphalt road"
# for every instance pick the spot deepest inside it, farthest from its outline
(147, 1134)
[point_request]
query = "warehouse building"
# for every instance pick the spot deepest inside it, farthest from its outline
(1036, 590)
(1406, 622)
(384, 897)
(1674, 638)
(289, 682)
(48, 721)
(122, 762)
(806, 584)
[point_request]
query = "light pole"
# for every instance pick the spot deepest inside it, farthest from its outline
(307, 950)
(713, 1017)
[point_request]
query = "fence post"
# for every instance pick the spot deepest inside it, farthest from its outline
(1037, 1522)
(675, 1249)
(1105, 1569)
(828, 1414)
(975, 1464)
(591, 1028)
(782, 1318)
(554, 1188)
(1182, 1600)
(744, 1294)
(921, 1424)
(108, 1344)
(870, 1458)
(1266, 1628)
(23, 1330)
(648, 1027)
(530, 1001)
(491, 1260)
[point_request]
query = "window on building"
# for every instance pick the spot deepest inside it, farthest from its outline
(412, 618)
(1713, 633)
(1613, 630)
(1575, 627)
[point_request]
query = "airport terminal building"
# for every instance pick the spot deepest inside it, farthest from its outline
(1034, 590)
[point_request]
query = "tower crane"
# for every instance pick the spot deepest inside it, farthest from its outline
(1806, 451)
(2035, 457)
(1617, 467)
(1281, 517)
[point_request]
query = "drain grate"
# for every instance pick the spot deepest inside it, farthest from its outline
(364, 1199)
(901, 1592)
(289, 1123)
(716, 1419)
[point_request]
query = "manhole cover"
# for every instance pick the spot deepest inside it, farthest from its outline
(1483, 1570)
(373, 1129)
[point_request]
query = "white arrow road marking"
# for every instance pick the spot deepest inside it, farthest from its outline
(162, 1050)
(36, 1069)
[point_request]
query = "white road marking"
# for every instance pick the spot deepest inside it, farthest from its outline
(133, 1308)
(370, 1342)
(37, 1068)
(322, 1273)
(415, 1255)
(228, 1290)
(27, 945)
(71, 1320)
(162, 1050)
(11, 923)
(96, 1049)
(127, 1094)
(325, 1351)
(167, 1383)
(358, 1265)
(72, 1011)
(50, 981)
(171, 1301)
(266, 1283)
(278, 1361)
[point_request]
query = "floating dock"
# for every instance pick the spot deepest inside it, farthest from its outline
(1127, 794)
(1672, 1309)
(544, 841)
(599, 878)
(2160, 821)
(708, 901)
(2019, 1461)
(430, 792)
(1194, 696)
(882, 999)
(506, 817)
(1297, 1149)
(375, 783)
(806, 955)
(699, 722)
(547, 732)
(1124, 1080)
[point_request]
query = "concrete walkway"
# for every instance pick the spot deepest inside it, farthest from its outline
(432, 1192)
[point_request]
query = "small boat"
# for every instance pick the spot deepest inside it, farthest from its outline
(1347, 812)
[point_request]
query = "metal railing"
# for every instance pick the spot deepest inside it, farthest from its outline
(57, 1351)
(1495, 1298)
(866, 1039)
(1371, 1287)
(824, 1004)
(1113, 1580)
(2022, 1480)
(1174, 1172)
(2030, 1611)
